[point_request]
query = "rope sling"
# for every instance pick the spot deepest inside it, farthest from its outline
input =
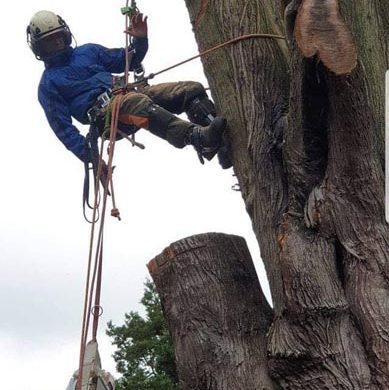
(92, 307)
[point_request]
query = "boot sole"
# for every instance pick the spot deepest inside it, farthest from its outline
(210, 152)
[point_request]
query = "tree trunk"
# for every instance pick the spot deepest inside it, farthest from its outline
(216, 312)
(306, 123)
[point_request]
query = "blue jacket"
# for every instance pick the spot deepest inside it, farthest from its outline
(72, 81)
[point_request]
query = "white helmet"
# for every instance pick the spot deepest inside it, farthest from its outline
(42, 25)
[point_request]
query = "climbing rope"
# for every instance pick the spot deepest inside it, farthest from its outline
(129, 12)
(94, 277)
(214, 48)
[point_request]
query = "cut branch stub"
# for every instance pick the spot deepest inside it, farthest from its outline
(216, 312)
(320, 30)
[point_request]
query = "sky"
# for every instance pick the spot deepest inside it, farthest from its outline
(164, 194)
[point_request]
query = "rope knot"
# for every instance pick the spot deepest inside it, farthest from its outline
(116, 213)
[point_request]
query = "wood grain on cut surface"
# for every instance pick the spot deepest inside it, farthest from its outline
(320, 30)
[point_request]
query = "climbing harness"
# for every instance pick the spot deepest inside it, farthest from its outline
(102, 101)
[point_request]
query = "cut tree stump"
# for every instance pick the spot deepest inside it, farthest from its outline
(216, 312)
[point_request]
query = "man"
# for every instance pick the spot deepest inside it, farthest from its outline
(75, 78)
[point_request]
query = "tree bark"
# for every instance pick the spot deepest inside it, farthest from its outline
(216, 312)
(308, 151)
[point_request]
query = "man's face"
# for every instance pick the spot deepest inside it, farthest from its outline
(52, 44)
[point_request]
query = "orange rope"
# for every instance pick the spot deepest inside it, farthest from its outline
(217, 47)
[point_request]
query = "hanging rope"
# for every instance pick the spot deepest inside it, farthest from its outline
(89, 284)
(94, 277)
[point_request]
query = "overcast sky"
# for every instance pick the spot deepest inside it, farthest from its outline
(163, 194)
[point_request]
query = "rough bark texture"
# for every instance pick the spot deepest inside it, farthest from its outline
(308, 151)
(215, 311)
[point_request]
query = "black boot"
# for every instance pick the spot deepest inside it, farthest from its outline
(207, 140)
(224, 154)
(201, 111)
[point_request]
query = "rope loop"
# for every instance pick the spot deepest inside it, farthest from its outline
(116, 213)
(97, 311)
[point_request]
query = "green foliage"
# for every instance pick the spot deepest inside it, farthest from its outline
(144, 353)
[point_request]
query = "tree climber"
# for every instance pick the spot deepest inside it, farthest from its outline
(75, 79)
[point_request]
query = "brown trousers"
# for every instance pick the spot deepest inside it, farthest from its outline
(154, 107)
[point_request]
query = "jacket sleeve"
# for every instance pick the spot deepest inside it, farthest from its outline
(60, 120)
(141, 46)
(113, 60)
